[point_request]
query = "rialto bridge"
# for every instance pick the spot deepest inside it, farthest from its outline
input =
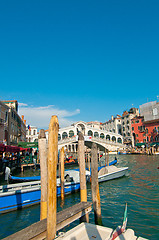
(68, 138)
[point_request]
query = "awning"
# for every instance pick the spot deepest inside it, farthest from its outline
(2, 147)
(11, 149)
(28, 144)
(140, 144)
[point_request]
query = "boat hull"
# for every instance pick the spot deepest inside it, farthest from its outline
(19, 199)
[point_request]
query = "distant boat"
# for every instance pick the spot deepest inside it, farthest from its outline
(19, 195)
(111, 172)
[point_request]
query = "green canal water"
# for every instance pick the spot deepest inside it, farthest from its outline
(140, 189)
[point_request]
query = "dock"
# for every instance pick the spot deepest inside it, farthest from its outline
(38, 230)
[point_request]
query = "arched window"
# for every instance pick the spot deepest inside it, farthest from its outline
(119, 140)
(102, 135)
(90, 133)
(59, 137)
(96, 134)
(114, 139)
(71, 133)
(108, 137)
(64, 135)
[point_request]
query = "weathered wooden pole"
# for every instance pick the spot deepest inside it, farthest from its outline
(43, 171)
(62, 155)
(52, 172)
(81, 159)
(108, 158)
(95, 185)
(105, 158)
(89, 161)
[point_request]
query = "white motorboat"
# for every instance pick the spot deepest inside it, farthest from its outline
(88, 231)
(111, 172)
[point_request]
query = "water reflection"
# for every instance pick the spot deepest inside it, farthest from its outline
(140, 190)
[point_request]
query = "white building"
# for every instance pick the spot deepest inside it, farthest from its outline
(113, 125)
(31, 134)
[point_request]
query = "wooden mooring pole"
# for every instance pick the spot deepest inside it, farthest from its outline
(81, 159)
(95, 185)
(62, 155)
(43, 171)
(52, 172)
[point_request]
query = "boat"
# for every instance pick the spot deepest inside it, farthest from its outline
(14, 179)
(88, 231)
(19, 195)
(111, 172)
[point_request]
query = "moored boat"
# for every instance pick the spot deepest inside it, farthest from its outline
(111, 172)
(19, 195)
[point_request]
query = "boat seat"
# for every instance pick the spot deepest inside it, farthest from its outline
(103, 171)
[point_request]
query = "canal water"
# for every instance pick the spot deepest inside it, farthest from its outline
(140, 190)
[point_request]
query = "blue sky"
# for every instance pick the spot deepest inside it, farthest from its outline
(82, 60)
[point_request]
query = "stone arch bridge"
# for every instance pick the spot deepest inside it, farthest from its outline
(68, 138)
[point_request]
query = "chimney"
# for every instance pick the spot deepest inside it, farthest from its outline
(23, 118)
(25, 122)
(112, 118)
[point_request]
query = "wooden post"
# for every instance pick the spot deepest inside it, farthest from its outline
(81, 159)
(95, 186)
(108, 158)
(62, 154)
(89, 161)
(105, 158)
(43, 171)
(52, 169)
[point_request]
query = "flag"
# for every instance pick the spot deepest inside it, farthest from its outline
(29, 128)
(119, 230)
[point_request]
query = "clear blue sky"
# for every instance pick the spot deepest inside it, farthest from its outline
(89, 59)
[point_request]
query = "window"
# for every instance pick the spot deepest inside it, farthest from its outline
(132, 128)
(123, 129)
(132, 122)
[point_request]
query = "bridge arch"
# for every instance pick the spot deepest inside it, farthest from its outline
(102, 135)
(64, 135)
(59, 137)
(119, 140)
(114, 139)
(96, 134)
(90, 133)
(71, 133)
(108, 137)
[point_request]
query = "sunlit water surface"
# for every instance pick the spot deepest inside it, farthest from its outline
(140, 189)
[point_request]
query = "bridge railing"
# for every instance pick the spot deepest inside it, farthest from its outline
(102, 140)
(107, 141)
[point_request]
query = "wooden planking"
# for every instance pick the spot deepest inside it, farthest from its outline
(37, 231)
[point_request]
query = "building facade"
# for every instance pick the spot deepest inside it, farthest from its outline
(31, 134)
(16, 129)
(113, 125)
(126, 125)
(4, 123)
